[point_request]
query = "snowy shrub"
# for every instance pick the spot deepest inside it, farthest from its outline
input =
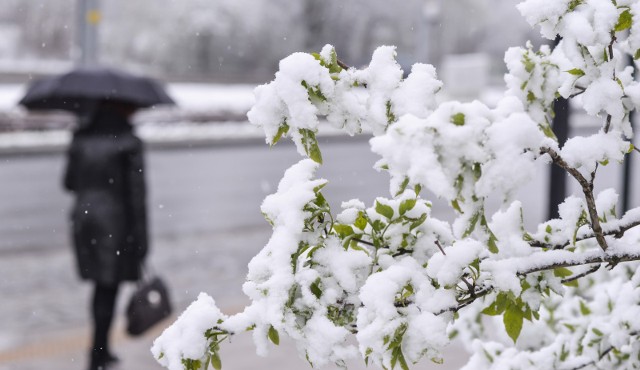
(390, 283)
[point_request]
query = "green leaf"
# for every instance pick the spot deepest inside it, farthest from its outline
(458, 119)
(397, 337)
(531, 97)
(584, 310)
(407, 205)
(637, 54)
(513, 319)
(563, 354)
(378, 225)
(576, 72)
(361, 222)
(273, 335)
(384, 210)
(417, 188)
(315, 95)
(315, 288)
(529, 65)
(190, 364)
(493, 247)
(418, 222)
(310, 145)
(562, 272)
(477, 171)
(456, 205)
(491, 310)
(343, 230)
(574, 3)
(548, 131)
(488, 356)
(367, 353)
(572, 283)
(215, 361)
(625, 21)
(472, 224)
(597, 332)
(403, 362)
(498, 306)
(403, 186)
(390, 116)
(282, 130)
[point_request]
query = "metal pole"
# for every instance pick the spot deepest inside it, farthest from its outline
(558, 177)
(627, 174)
(88, 20)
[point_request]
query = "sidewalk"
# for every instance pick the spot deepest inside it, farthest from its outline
(44, 315)
(45, 324)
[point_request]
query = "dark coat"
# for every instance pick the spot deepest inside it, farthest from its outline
(105, 170)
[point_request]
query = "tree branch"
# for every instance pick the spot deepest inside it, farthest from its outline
(587, 189)
(577, 260)
(617, 233)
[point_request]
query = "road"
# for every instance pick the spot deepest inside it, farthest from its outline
(206, 225)
(191, 190)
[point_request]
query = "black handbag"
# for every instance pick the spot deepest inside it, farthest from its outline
(148, 305)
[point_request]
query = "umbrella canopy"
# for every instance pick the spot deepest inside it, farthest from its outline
(79, 89)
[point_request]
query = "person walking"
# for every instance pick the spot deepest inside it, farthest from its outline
(105, 172)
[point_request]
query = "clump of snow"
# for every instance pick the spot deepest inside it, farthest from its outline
(447, 268)
(185, 338)
(586, 152)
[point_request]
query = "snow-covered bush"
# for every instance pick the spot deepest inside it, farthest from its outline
(403, 283)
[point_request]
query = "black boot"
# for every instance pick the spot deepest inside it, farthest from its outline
(102, 360)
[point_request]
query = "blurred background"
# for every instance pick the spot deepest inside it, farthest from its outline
(207, 168)
(235, 41)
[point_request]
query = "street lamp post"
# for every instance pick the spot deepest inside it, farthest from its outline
(428, 41)
(88, 20)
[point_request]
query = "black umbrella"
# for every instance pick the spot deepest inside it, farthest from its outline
(80, 89)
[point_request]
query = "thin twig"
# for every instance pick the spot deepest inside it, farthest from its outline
(602, 355)
(440, 247)
(364, 242)
(582, 90)
(588, 272)
(342, 64)
(465, 302)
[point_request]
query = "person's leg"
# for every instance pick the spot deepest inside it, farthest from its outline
(103, 305)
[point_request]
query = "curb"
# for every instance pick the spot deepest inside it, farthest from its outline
(157, 137)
